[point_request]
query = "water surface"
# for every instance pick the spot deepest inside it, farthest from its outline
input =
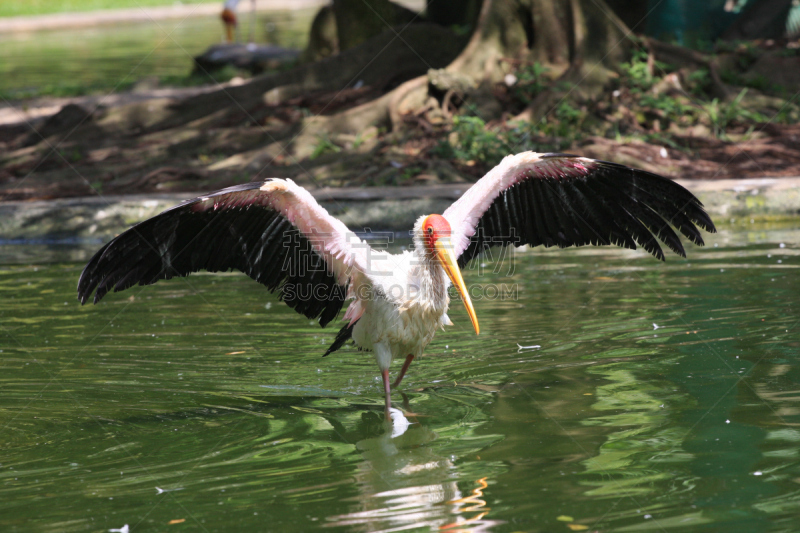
(663, 397)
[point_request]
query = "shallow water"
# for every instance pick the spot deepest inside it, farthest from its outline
(110, 57)
(664, 397)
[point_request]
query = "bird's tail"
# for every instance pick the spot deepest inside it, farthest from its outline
(344, 335)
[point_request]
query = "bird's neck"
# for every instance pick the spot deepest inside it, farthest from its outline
(432, 281)
(428, 275)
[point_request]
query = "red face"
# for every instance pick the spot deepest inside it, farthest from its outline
(434, 227)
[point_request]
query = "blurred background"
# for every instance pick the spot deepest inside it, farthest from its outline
(133, 97)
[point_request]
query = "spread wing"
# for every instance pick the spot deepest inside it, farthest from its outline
(273, 231)
(565, 200)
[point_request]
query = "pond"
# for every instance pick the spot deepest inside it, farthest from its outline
(662, 396)
(111, 57)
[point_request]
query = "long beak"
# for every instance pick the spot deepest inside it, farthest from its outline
(444, 251)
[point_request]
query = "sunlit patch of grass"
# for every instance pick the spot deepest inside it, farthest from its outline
(46, 7)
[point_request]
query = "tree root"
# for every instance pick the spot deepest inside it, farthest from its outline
(691, 60)
(418, 48)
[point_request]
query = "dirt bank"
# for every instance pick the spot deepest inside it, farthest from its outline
(113, 145)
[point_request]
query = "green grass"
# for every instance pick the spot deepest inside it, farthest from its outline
(44, 7)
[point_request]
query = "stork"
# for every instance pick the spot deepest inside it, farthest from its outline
(229, 19)
(275, 232)
(231, 22)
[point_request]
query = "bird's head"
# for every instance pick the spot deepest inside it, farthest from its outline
(435, 235)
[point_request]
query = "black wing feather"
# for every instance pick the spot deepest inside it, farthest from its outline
(254, 239)
(610, 204)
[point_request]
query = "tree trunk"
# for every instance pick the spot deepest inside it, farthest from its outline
(580, 42)
(453, 12)
(632, 12)
(322, 38)
(358, 20)
(557, 34)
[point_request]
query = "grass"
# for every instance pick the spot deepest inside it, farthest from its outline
(46, 7)
(324, 146)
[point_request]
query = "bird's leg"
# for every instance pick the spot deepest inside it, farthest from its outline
(387, 392)
(383, 356)
(402, 373)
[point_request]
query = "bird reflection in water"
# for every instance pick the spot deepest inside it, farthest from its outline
(405, 484)
(474, 504)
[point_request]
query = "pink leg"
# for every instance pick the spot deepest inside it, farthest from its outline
(387, 392)
(396, 383)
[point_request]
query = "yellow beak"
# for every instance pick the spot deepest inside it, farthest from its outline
(444, 251)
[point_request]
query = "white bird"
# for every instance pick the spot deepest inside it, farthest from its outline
(275, 232)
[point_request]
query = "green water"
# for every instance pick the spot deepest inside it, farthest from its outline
(206, 400)
(112, 57)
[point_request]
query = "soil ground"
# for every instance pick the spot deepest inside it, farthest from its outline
(55, 149)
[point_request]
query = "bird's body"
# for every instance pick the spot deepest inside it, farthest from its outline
(229, 19)
(275, 232)
(403, 308)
